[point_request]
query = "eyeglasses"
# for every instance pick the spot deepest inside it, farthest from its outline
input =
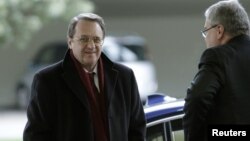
(204, 32)
(86, 39)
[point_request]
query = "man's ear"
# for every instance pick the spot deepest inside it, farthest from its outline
(69, 41)
(220, 31)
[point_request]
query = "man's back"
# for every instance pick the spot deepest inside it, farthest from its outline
(232, 100)
(219, 93)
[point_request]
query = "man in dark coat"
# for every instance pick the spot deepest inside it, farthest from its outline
(85, 97)
(220, 92)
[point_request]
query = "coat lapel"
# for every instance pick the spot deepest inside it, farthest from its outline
(110, 82)
(110, 78)
(73, 80)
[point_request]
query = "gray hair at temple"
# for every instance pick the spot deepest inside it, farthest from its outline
(85, 16)
(230, 14)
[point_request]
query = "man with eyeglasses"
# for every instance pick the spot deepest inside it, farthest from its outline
(86, 96)
(220, 92)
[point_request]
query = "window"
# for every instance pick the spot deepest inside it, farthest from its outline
(168, 130)
(50, 53)
(177, 130)
(156, 133)
(45, 56)
(159, 132)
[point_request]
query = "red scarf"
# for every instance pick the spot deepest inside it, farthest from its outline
(96, 101)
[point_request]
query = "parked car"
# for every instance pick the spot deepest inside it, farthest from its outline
(164, 116)
(128, 50)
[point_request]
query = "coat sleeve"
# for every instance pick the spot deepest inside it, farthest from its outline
(40, 112)
(137, 125)
(201, 95)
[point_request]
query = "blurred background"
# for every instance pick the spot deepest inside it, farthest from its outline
(170, 30)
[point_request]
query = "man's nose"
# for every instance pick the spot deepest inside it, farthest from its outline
(90, 43)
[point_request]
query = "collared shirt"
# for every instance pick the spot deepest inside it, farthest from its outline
(96, 80)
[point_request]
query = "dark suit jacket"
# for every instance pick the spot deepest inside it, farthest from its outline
(220, 91)
(59, 109)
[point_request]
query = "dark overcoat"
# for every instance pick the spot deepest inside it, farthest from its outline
(59, 109)
(220, 91)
